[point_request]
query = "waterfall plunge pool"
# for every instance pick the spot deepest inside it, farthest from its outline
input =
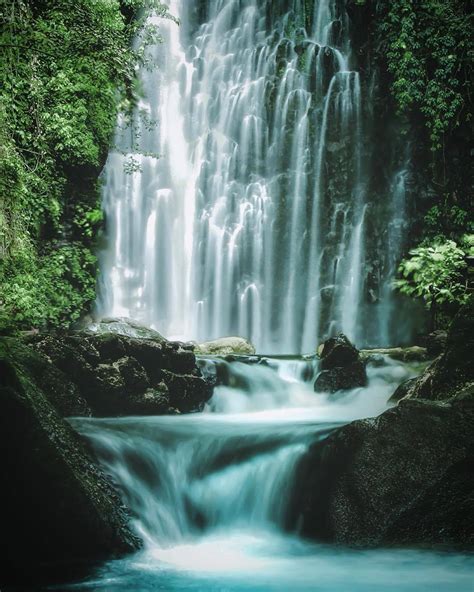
(209, 492)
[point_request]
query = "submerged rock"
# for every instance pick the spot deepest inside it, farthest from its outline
(59, 507)
(225, 346)
(341, 366)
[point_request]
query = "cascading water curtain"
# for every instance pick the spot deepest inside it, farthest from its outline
(237, 202)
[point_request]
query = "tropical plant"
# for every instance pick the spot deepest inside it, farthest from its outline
(437, 274)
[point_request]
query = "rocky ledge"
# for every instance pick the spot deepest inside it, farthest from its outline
(112, 374)
(405, 477)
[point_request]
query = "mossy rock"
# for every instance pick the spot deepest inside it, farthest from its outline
(59, 507)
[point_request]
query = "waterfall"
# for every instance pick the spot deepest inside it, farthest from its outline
(237, 201)
(184, 477)
(233, 466)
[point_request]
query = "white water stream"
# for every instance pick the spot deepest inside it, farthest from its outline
(210, 492)
(237, 202)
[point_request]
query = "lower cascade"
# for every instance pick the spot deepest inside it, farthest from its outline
(241, 200)
(211, 492)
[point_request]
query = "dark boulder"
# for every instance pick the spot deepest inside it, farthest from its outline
(59, 507)
(61, 392)
(187, 392)
(337, 379)
(404, 477)
(400, 478)
(133, 374)
(337, 352)
(117, 373)
(154, 401)
(435, 343)
(341, 366)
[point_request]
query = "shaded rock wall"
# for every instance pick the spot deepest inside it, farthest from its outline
(59, 508)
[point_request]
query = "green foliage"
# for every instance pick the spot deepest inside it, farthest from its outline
(428, 47)
(49, 289)
(446, 219)
(66, 68)
(436, 273)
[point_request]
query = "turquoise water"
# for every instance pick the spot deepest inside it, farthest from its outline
(210, 492)
(249, 563)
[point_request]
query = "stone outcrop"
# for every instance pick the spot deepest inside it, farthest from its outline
(435, 342)
(225, 346)
(341, 366)
(123, 326)
(414, 353)
(453, 371)
(59, 508)
(404, 477)
(370, 479)
(121, 375)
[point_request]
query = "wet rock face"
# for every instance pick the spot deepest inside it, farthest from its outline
(453, 370)
(404, 477)
(399, 478)
(435, 343)
(59, 506)
(341, 366)
(122, 375)
(225, 346)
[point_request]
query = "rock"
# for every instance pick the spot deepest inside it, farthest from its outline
(452, 371)
(401, 478)
(404, 477)
(178, 358)
(225, 346)
(187, 392)
(154, 401)
(61, 392)
(338, 379)
(435, 343)
(341, 366)
(59, 506)
(133, 374)
(113, 372)
(402, 390)
(414, 353)
(124, 326)
(337, 352)
(109, 345)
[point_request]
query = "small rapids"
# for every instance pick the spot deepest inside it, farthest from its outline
(210, 492)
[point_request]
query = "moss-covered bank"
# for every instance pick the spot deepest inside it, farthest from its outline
(67, 67)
